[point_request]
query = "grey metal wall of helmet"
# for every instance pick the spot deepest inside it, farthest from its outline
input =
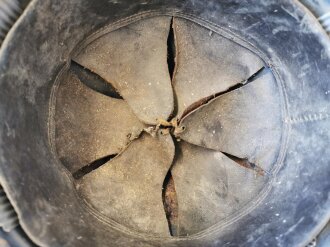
(321, 9)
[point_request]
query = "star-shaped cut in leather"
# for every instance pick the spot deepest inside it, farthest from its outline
(167, 128)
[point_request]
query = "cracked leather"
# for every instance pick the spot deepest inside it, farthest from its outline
(206, 58)
(210, 187)
(128, 189)
(229, 123)
(87, 126)
(245, 122)
(134, 60)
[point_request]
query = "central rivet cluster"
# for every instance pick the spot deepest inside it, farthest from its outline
(165, 127)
